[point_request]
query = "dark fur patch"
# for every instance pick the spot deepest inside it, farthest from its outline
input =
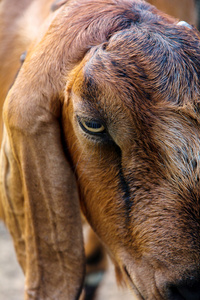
(124, 186)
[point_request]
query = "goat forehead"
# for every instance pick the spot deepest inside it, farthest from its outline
(148, 63)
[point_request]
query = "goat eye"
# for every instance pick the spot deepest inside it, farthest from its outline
(91, 126)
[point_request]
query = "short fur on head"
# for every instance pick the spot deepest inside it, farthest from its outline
(106, 104)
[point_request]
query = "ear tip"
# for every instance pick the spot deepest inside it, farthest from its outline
(185, 24)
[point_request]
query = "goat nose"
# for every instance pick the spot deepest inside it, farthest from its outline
(189, 291)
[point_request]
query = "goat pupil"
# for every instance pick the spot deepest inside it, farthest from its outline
(93, 125)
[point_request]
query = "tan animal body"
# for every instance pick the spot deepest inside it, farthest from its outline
(104, 114)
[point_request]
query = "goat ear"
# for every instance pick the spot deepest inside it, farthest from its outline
(39, 189)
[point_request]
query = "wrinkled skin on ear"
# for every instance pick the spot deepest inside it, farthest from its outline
(40, 197)
(41, 203)
(38, 188)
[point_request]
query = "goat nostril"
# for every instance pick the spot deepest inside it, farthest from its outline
(190, 293)
(186, 292)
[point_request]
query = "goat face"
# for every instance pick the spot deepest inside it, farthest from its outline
(131, 120)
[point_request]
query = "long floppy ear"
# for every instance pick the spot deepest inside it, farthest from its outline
(38, 188)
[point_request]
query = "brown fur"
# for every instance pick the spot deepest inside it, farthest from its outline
(133, 69)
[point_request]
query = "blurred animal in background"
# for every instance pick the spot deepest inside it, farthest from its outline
(102, 118)
(187, 10)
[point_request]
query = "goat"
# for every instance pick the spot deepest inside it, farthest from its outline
(104, 115)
